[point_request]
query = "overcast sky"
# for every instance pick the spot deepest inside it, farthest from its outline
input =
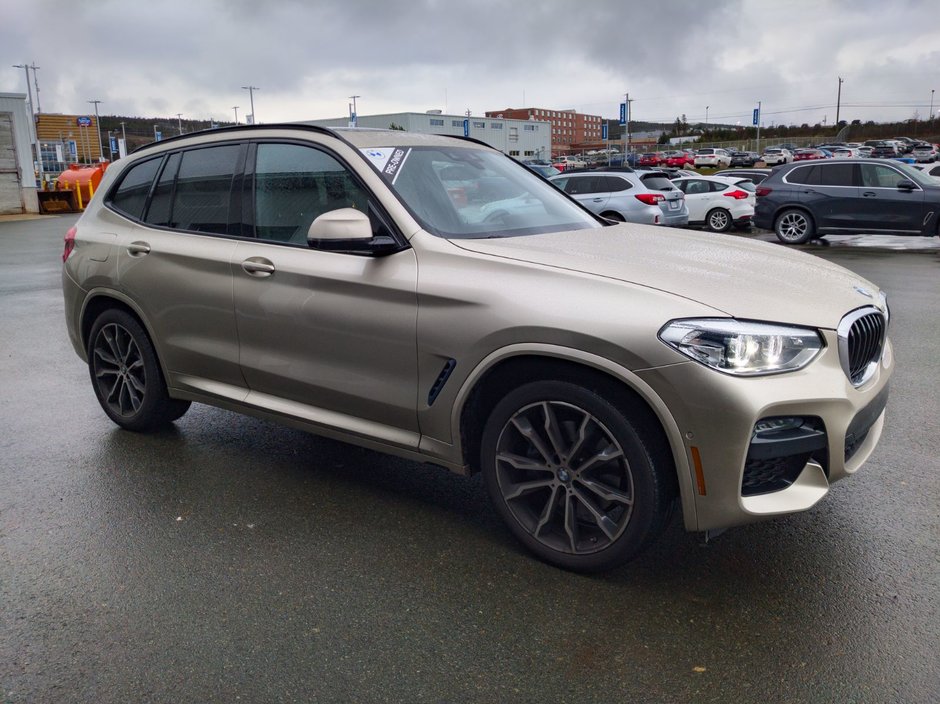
(674, 57)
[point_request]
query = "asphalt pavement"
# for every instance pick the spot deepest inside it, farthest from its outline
(232, 560)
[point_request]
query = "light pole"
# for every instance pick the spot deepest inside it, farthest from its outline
(706, 117)
(179, 121)
(251, 96)
(839, 101)
(235, 108)
(355, 114)
(98, 127)
(931, 104)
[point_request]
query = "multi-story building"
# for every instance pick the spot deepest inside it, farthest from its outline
(520, 139)
(571, 131)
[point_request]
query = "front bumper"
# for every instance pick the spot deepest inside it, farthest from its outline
(737, 479)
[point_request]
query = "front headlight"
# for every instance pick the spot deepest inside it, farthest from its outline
(743, 348)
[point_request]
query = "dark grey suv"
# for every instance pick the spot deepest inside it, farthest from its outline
(801, 201)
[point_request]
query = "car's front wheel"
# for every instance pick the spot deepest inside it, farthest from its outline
(794, 226)
(718, 220)
(126, 375)
(571, 476)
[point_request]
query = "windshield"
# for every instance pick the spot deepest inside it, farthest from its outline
(458, 192)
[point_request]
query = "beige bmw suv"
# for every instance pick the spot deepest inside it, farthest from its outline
(431, 298)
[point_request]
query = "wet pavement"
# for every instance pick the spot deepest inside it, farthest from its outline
(229, 559)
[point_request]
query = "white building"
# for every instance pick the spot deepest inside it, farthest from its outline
(521, 139)
(17, 165)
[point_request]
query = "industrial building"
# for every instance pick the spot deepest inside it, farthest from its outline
(522, 139)
(18, 168)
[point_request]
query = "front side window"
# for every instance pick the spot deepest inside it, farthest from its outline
(294, 185)
(470, 192)
(878, 176)
(131, 194)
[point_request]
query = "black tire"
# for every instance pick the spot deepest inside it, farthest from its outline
(126, 375)
(616, 217)
(571, 476)
(794, 226)
(718, 220)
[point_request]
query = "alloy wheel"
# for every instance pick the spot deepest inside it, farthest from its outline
(564, 477)
(119, 370)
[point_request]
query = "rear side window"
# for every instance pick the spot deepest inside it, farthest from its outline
(583, 184)
(614, 184)
(837, 174)
(657, 182)
(806, 175)
(131, 194)
(203, 189)
(160, 208)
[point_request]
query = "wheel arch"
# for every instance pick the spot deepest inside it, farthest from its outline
(97, 302)
(511, 368)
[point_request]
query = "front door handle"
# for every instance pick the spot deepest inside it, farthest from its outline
(258, 266)
(869, 194)
(138, 249)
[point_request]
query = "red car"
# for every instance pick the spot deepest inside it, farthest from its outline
(679, 159)
(651, 160)
(806, 154)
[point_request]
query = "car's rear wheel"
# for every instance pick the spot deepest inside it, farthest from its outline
(617, 217)
(718, 220)
(571, 476)
(794, 226)
(126, 375)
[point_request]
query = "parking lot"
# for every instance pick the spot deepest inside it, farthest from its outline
(229, 559)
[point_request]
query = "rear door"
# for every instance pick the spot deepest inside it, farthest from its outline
(698, 197)
(590, 191)
(830, 191)
(176, 264)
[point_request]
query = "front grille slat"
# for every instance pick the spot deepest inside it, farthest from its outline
(864, 341)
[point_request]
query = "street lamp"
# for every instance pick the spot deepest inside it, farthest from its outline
(235, 108)
(251, 96)
(706, 117)
(354, 115)
(179, 121)
(931, 103)
(97, 126)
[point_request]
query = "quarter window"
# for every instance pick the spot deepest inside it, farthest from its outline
(131, 194)
(160, 210)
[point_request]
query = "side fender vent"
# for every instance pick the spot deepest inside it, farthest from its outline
(441, 380)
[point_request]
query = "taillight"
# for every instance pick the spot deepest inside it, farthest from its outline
(650, 198)
(69, 242)
(763, 191)
(737, 195)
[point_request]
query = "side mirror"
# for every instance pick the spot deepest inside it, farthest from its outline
(349, 231)
(906, 185)
(344, 224)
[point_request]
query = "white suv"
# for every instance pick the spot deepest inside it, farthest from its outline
(718, 158)
(774, 156)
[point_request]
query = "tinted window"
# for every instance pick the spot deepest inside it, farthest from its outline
(583, 184)
(614, 184)
(716, 187)
(159, 211)
(658, 182)
(294, 185)
(693, 186)
(131, 194)
(203, 189)
(807, 175)
(837, 174)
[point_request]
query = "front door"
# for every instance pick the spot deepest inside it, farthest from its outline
(883, 207)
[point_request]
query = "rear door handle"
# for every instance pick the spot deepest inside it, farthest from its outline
(869, 194)
(138, 249)
(597, 200)
(258, 266)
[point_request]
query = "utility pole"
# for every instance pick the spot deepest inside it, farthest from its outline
(235, 108)
(838, 101)
(98, 127)
(251, 96)
(706, 117)
(931, 104)
(179, 121)
(36, 83)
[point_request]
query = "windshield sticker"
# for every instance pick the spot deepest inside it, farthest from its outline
(387, 160)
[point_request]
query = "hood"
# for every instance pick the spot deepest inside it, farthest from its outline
(742, 278)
